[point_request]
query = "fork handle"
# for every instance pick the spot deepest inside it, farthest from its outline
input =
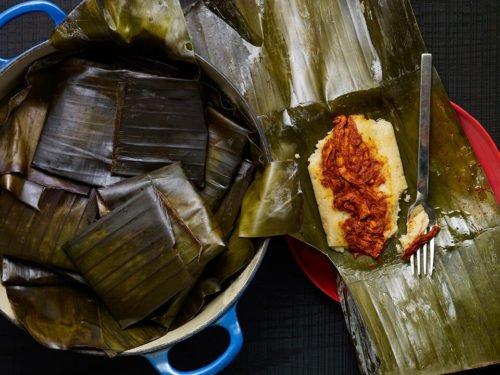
(424, 125)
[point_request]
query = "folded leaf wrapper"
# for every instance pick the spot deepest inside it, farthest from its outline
(19, 273)
(128, 258)
(322, 58)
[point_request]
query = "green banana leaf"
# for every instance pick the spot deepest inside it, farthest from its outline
(322, 58)
(148, 26)
(172, 182)
(272, 205)
(128, 258)
(38, 236)
(229, 209)
(160, 121)
(226, 146)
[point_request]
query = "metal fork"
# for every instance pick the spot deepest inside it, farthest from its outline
(423, 163)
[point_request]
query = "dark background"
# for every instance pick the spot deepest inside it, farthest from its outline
(290, 327)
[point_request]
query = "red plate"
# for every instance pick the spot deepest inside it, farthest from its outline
(319, 269)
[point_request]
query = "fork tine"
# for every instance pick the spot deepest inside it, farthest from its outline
(424, 259)
(418, 262)
(431, 264)
(412, 262)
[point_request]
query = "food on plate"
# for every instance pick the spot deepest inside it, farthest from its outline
(416, 235)
(358, 177)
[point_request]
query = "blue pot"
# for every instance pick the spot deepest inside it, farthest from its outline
(222, 310)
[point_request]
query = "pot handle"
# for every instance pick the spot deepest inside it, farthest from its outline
(228, 321)
(53, 11)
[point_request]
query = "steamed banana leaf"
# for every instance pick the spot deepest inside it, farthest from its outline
(229, 209)
(24, 190)
(38, 236)
(21, 122)
(322, 58)
(58, 317)
(128, 259)
(77, 139)
(172, 182)
(273, 203)
(226, 145)
(160, 121)
(35, 284)
(145, 27)
(20, 273)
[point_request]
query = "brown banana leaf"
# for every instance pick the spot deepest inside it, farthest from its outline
(20, 273)
(151, 26)
(58, 317)
(226, 146)
(24, 190)
(160, 121)
(21, 122)
(322, 58)
(172, 182)
(38, 236)
(229, 209)
(77, 138)
(128, 259)
(42, 317)
(272, 205)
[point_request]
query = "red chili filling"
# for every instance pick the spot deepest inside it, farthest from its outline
(420, 241)
(352, 172)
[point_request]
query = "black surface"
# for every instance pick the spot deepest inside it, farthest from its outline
(289, 326)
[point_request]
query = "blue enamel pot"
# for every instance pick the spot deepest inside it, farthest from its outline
(219, 312)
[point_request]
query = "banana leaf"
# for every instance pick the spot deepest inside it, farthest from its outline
(50, 297)
(273, 203)
(24, 190)
(128, 259)
(160, 121)
(229, 209)
(172, 182)
(154, 26)
(322, 58)
(21, 122)
(77, 139)
(58, 317)
(38, 236)
(20, 273)
(226, 146)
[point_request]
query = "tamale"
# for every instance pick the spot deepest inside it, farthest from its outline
(128, 259)
(38, 236)
(226, 144)
(58, 317)
(229, 209)
(20, 128)
(172, 182)
(349, 57)
(77, 138)
(160, 121)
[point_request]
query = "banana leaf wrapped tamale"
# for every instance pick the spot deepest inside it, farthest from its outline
(38, 236)
(129, 260)
(362, 57)
(172, 182)
(160, 121)
(20, 273)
